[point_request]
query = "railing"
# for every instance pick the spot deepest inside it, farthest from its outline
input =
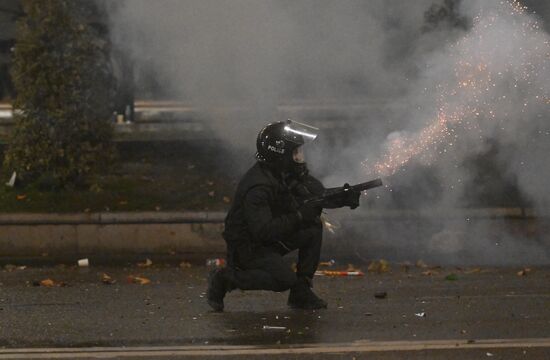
(172, 120)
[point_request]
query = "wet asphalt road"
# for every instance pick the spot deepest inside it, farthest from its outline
(171, 311)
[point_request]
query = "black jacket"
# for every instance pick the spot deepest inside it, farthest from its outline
(263, 212)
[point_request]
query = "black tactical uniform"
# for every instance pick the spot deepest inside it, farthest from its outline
(265, 223)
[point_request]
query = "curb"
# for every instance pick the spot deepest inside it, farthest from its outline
(111, 218)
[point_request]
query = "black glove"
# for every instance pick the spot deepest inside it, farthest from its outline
(351, 198)
(309, 213)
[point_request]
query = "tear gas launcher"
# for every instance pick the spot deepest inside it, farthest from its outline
(328, 196)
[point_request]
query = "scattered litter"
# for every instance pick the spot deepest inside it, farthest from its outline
(107, 280)
(83, 262)
(430, 272)
(138, 280)
(405, 266)
(329, 263)
(147, 263)
(489, 354)
(211, 193)
(10, 267)
(451, 277)
(369, 314)
(185, 265)
(21, 197)
(421, 264)
(49, 283)
(11, 183)
(268, 327)
(338, 273)
(381, 295)
(219, 262)
(352, 267)
(472, 271)
(524, 272)
(226, 199)
(421, 314)
(210, 183)
(380, 266)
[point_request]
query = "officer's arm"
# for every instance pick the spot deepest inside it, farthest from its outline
(263, 226)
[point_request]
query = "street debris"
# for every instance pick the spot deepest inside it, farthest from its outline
(11, 267)
(21, 197)
(268, 327)
(351, 267)
(338, 273)
(473, 271)
(420, 314)
(381, 295)
(524, 272)
(218, 262)
(11, 182)
(380, 266)
(369, 314)
(49, 283)
(489, 354)
(226, 199)
(185, 265)
(421, 264)
(107, 280)
(147, 263)
(138, 280)
(329, 263)
(211, 193)
(83, 262)
(430, 272)
(451, 277)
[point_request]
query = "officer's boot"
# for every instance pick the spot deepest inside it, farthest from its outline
(218, 286)
(302, 297)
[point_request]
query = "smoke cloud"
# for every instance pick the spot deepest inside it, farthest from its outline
(481, 65)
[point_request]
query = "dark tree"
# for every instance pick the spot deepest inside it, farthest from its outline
(63, 83)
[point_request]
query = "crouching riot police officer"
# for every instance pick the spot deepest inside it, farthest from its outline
(266, 222)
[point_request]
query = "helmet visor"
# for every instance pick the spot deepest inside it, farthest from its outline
(294, 130)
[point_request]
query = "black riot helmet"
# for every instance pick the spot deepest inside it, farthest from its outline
(277, 141)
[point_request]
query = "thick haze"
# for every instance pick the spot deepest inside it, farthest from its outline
(390, 55)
